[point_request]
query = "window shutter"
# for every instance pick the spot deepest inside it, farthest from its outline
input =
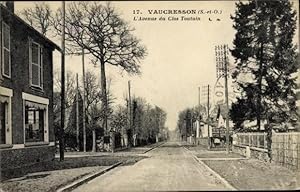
(1, 63)
(41, 68)
(30, 61)
(5, 50)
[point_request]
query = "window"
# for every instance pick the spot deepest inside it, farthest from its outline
(3, 120)
(36, 64)
(6, 63)
(5, 115)
(34, 123)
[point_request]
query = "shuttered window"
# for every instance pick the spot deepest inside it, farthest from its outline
(6, 63)
(36, 64)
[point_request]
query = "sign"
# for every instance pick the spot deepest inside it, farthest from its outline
(219, 92)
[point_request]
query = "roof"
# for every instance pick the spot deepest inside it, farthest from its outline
(222, 110)
(51, 43)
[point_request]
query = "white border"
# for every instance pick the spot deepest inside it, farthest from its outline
(8, 93)
(18, 146)
(34, 98)
(41, 100)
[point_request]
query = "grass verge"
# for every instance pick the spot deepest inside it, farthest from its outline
(252, 174)
(49, 176)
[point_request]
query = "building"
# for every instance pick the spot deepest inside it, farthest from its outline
(26, 92)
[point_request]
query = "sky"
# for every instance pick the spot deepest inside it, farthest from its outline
(180, 57)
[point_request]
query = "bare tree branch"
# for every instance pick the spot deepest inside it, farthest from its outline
(38, 17)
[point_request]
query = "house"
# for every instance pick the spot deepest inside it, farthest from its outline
(26, 92)
(206, 129)
(221, 118)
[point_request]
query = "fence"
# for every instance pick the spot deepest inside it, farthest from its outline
(285, 146)
(252, 139)
(286, 149)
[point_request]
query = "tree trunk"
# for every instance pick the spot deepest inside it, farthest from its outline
(94, 141)
(104, 95)
(258, 114)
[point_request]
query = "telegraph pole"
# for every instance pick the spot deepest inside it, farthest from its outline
(199, 114)
(63, 107)
(199, 92)
(226, 97)
(129, 111)
(208, 118)
(83, 102)
(77, 113)
(199, 103)
(222, 71)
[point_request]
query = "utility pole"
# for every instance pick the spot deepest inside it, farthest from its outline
(199, 103)
(192, 129)
(199, 92)
(222, 71)
(129, 111)
(62, 119)
(208, 118)
(77, 113)
(226, 97)
(199, 115)
(83, 102)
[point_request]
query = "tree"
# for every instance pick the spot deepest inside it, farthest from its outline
(265, 58)
(70, 135)
(70, 86)
(93, 104)
(70, 95)
(106, 36)
(94, 110)
(119, 119)
(38, 17)
(148, 121)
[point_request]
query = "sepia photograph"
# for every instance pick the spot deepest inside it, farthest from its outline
(132, 95)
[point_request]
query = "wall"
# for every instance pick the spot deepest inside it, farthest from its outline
(285, 150)
(257, 153)
(14, 158)
(204, 130)
(202, 141)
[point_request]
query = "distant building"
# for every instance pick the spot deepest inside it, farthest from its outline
(26, 92)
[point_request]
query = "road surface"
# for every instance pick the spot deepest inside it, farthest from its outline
(169, 167)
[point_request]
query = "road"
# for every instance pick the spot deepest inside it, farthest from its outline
(169, 167)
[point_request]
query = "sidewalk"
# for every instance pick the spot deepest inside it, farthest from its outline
(77, 168)
(136, 151)
(50, 176)
(247, 174)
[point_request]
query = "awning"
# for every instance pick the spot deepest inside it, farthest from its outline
(35, 105)
(4, 99)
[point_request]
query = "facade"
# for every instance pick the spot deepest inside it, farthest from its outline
(26, 92)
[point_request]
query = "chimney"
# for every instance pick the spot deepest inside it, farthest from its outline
(10, 6)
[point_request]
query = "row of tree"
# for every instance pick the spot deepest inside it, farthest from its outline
(97, 30)
(189, 115)
(147, 121)
(93, 108)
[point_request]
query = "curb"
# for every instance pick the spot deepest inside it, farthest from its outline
(153, 148)
(222, 159)
(223, 180)
(85, 179)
